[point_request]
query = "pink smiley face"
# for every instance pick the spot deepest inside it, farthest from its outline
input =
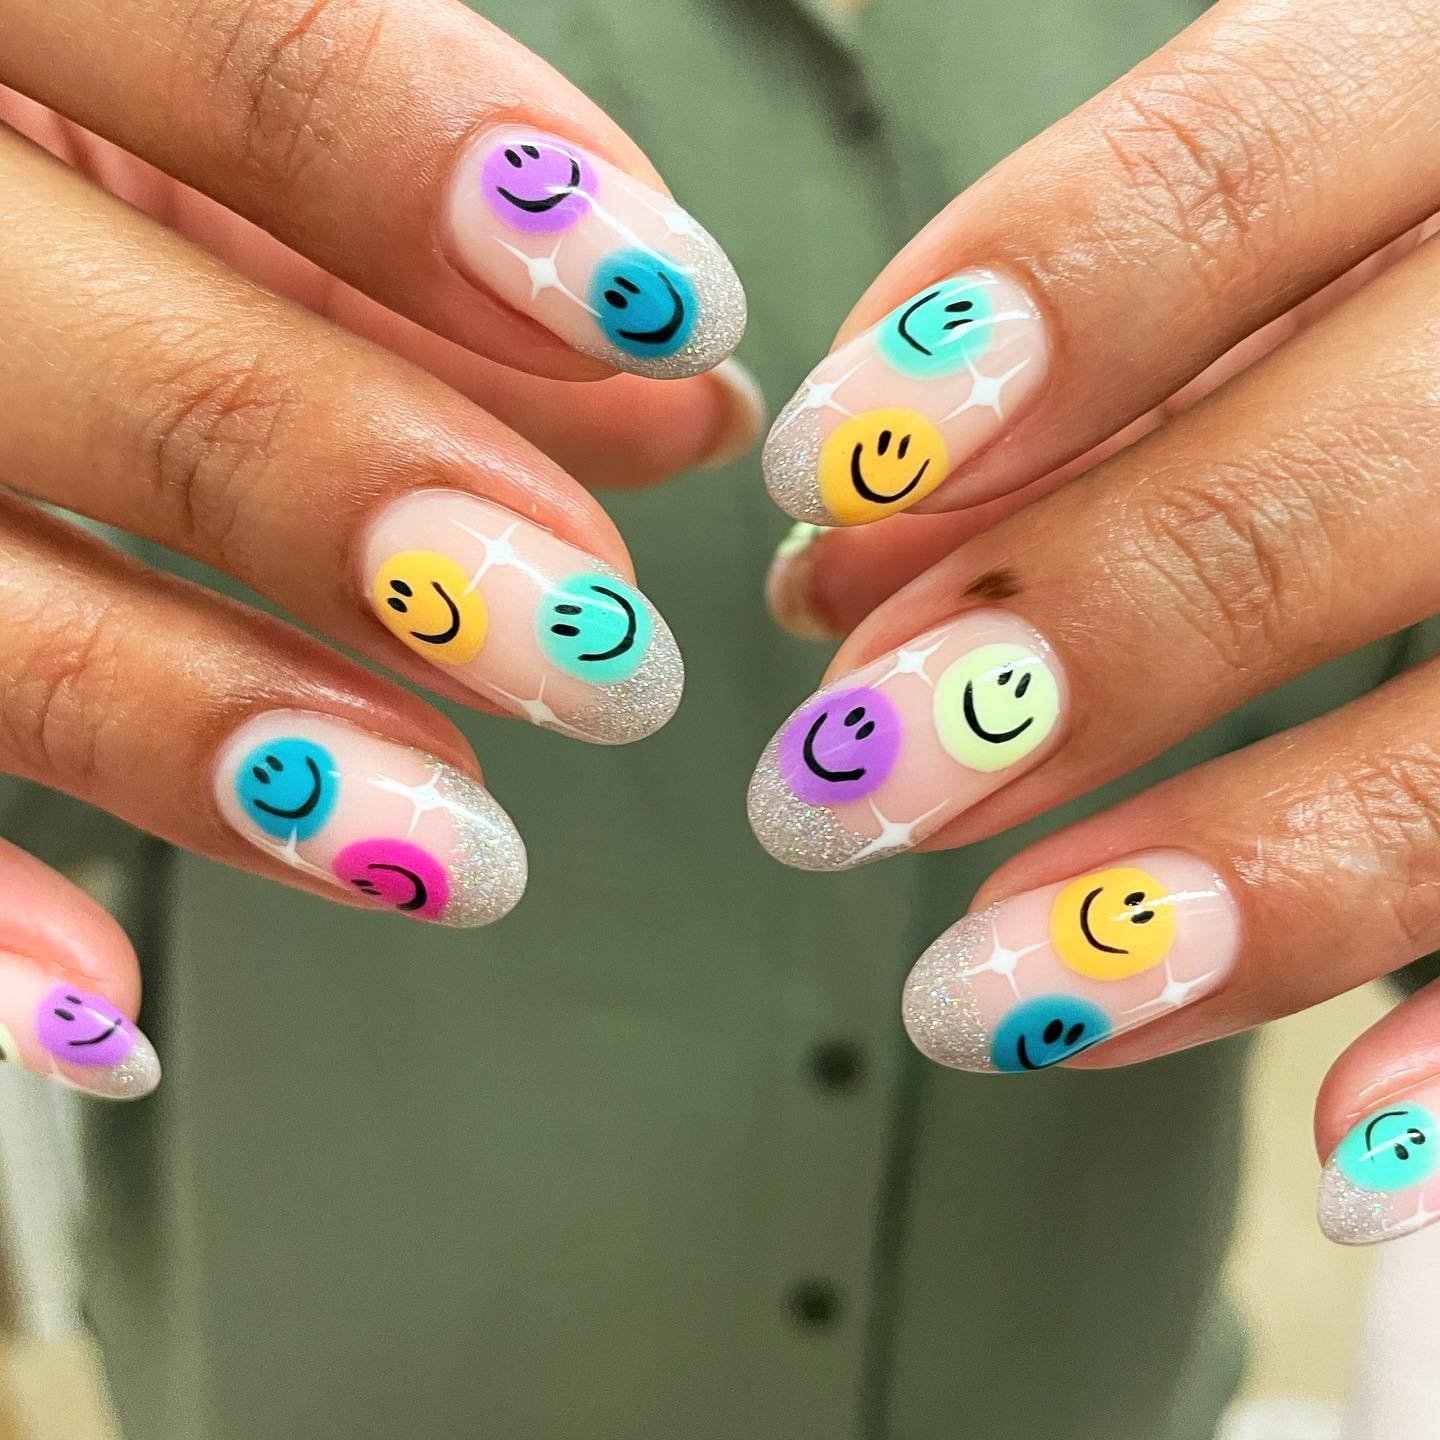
(396, 875)
(537, 186)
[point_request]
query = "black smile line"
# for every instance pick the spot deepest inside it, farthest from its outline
(1089, 900)
(95, 1039)
(445, 636)
(317, 786)
(905, 335)
(1384, 1115)
(670, 329)
(539, 207)
(420, 896)
(807, 751)
(1024, 1055)
(995, 737)
(630, 626)
(857, 479)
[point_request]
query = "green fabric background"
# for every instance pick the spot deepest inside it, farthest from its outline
(561, 1179)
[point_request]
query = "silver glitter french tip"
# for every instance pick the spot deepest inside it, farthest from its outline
(539, 628)
(886, 419)
(1383, 1181)
(612, 266)
(386, 825)
(71, 1034)
(1035, 980)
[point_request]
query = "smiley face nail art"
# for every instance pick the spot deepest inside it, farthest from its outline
(611, 266)
(1039, 978)
(1383, 1181)
(531, 624)
(391, 826)
(939, 378)
(880, 760)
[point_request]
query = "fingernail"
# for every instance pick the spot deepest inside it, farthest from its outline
(1035, 980)
(1383, 1180)
(879, 760)
(787, 585)
(386, 824)
(532, 624)
(742, 414)
(68, 1033)
(612, 267)
(884, 420)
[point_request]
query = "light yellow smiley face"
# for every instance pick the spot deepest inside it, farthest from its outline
(996, 705)
(1113, 923)
(880, 462)
(425, 600)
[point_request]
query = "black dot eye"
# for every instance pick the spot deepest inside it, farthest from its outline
(65, 1014)
(1053, 1031)
(1142, 917)
(959, 307)
(1004, 677)
(883, 444)
(263, 776)
(1417, 1137)
(866, 730)
(625, 284)
(514, 159)
(1401, 1153)
(1023, 686)
(616, 299)
(274, 764)
(567, 609)
(401, 588)
(399, 605)
(531, 151)
(856, 715)
(1075, 1032)
(569, 631)
(904, 448)
(1135, 897)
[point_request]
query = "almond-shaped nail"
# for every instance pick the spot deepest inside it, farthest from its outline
(386, 824)
(1383, 1181)
(1036, 979)
(877, 761)
(885, 419)
(65, 1031)
(611, 266)
(787, 584)
(535, 626)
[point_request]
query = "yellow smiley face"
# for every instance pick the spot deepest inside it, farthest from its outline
(879, 463)
(425, 600)
(1113, 923)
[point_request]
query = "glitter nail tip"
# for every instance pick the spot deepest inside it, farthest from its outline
(132, 1078)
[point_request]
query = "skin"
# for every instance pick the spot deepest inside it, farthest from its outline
(291, 341)
(1220, 499)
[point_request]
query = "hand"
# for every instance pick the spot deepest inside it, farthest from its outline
(1073, 300)
(437, 200)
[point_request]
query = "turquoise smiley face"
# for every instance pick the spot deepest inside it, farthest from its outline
(595, 627)
(1393, 1149)
(645, 305)
(941, 330)
(288, 787)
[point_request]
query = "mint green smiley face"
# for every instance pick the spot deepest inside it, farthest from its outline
(1393, 1149)
(594, 627)
(941, 330)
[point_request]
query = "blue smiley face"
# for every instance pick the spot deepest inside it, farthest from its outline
(939, 331)
(645, 305)
(288, 787)
(1046, 1030)
(594, 627)
(1393, 1149)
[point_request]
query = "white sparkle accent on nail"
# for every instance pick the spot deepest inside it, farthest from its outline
(535, 710)
(1002, 960)
(290, 855)
(987, 392)
(500, 553)
(424, 798)
(894, 835)
(912, 662)
(544, 275)
(1174, 994)
(820, 395)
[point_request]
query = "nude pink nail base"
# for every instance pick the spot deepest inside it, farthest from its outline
(884, 420)
(540, 629)
(389, 826)
(1383, 1181)
(611, 266)
(876, 762)
(1037, 979)
(71, 1034)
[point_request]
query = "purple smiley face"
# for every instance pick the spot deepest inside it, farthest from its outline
(537, 186)
(841, 747)
(83, 1029)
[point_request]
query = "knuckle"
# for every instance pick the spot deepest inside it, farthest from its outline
(1206, 151)
(294, 69)
(211, 425)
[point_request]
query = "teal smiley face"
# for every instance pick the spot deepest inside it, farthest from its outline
(645, 305)
(288, 787)
(1394, 1149)
(940, 330)
(595, 627)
